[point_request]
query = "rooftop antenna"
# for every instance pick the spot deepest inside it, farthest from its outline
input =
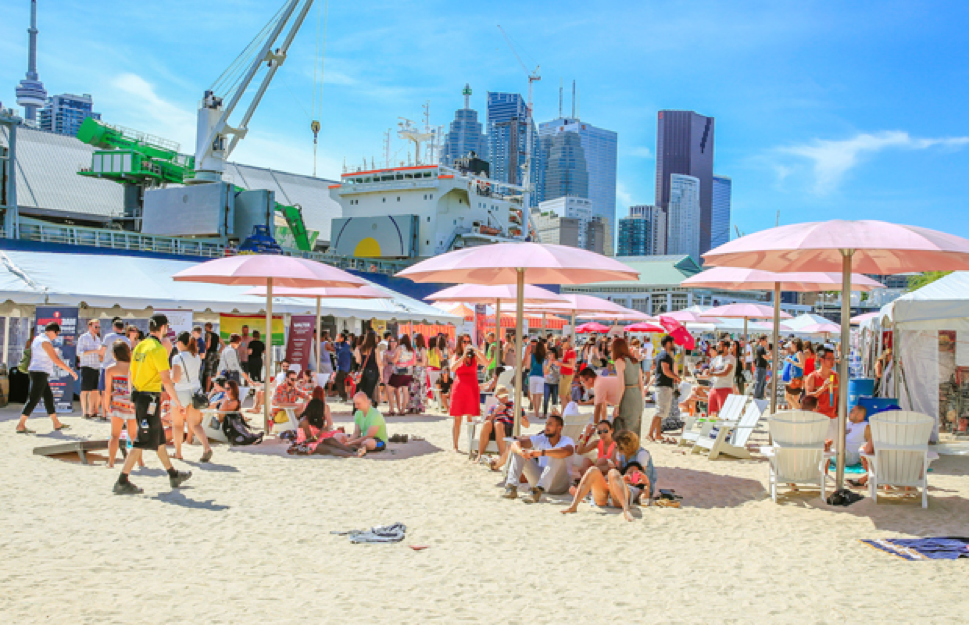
(387, 149)
(573, 99)
(466, 92)
(560, 98)
(777, 220)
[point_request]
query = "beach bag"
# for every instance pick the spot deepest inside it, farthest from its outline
(235, 429)
(199, 399)
(24, 360)
(786, 372)
(369, 376)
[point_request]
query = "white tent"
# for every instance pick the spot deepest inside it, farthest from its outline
(931, 330)
(102, 281)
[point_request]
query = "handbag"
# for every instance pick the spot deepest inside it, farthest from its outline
(368, 375)
(199, 399)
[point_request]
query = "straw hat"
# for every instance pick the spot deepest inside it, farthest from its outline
(501, 391)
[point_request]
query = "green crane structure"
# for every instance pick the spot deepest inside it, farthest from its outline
(128, 156)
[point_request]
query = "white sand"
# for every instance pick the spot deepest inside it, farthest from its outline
(248, 541)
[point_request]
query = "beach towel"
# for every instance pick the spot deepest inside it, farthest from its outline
(381, 534)
(944, 548)
(852, 469)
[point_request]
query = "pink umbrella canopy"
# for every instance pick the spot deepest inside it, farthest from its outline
(820, 328)
(681, 336)
(491, 293)
(742, 279)
(500, 263)
(688, 316)
(744, 311)
(860, 319)
(878, 247)
(582, 305)
(255, 269)
(587, 328)
(644, 327)
(324, 292)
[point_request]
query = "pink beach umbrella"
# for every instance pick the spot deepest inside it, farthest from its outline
(868, 246)
(319, 294)
(820, 328)
(745, 279)
(688, 316)
(588, 306)
(857, 320)
(520, 263)
(592, 327)
(743, 310)
(496, 294)
(268, 271)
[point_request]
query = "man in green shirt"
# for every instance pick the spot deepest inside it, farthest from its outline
(493, 351)
(369, 427)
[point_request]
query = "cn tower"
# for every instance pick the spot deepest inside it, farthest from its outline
(30, 92)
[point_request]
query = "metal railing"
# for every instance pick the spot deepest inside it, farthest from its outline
(119, 240)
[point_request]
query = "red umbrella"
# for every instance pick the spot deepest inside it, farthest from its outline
(590, 327)
(681, 336)
(644, 327)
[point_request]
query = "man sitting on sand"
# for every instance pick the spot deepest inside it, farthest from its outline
(543, 459)
(369, 427)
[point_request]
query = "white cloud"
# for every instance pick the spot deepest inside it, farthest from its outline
(831, 160)
(641, 152)
(624, 197)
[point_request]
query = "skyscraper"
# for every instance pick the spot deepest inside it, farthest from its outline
(720, 225)
(573, 207)
(30, 92)
(508, 128)
(643, 232)
(600, 149)
(64, 113)
(566, 172)
(684, 145)
(685, 216)
(465, 134)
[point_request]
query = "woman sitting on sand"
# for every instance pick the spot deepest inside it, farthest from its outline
(605, 448)
(316, 436)
(622, 487)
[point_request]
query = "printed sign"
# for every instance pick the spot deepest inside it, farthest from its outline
(299, 348)
(61, 383)
(232, 324)
(178, 321)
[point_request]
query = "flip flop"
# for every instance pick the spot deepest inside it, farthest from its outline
(63, 426)
(25, 431)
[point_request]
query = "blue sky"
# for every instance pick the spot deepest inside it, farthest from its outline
(824, 109)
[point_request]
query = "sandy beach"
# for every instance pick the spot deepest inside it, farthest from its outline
(248, 540)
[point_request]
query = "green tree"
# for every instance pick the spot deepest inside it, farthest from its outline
(924, 279)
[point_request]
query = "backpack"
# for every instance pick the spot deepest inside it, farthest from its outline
(235, 429)
(24, 360)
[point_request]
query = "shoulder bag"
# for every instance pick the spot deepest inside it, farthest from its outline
(199, 399)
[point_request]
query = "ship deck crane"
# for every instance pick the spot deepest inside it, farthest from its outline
(533, 77)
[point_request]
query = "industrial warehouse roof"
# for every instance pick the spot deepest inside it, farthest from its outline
(653, 270)
(72, 279)
(48, 183)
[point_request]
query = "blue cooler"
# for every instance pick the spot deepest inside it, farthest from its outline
(874, 405)
(858, 387)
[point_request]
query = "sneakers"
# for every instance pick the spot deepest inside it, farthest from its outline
(126, 489)
(179, 479)
(511, 492)
(535, 496)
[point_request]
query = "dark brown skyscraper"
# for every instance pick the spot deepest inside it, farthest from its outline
(684, 145)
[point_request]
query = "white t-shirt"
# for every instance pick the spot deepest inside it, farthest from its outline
(647, 351)
(724, 381)
(854, 434)
(39, 360)
(188, 379)
(541, 441)
(748, 353)
(108, 343)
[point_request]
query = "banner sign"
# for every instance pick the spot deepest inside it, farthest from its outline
(61, 383)
(299, 348)
(178, 321)
(232, 324)
(480, 317)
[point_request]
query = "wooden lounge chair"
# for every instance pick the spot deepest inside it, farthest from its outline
(695, 428)
(902, 456)
(797, 455)
(732, 436)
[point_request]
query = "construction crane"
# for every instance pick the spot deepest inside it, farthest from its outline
(215, 138)
(533, 77)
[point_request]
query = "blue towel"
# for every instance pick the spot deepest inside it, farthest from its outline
(945, 548)
(853, 469)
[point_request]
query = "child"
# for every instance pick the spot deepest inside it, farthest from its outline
(444, 383)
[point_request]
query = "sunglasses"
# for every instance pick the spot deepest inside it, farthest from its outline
(602, 431)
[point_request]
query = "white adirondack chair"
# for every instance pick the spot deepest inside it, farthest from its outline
(732, 436)
(212, 432)
(472, 427)
(797, 455)
(902, 456)
(695, 428)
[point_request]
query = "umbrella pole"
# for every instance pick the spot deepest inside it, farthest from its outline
(774, 349)
(573, 329)
(745, 328)
(319, 336)
(843, 365)
(266, 399)
(498, 335)
(519, 341)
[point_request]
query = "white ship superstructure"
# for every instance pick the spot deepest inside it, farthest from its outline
(423, 210)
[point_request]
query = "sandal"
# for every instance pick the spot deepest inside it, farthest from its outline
(63, 426)
(25, 431)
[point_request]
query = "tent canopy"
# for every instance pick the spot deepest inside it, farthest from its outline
(943, 305)
(136, 282)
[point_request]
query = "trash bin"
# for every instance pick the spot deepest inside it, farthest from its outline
(874, 405)
(858, 387)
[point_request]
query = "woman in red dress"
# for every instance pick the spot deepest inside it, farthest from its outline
(465, 394)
